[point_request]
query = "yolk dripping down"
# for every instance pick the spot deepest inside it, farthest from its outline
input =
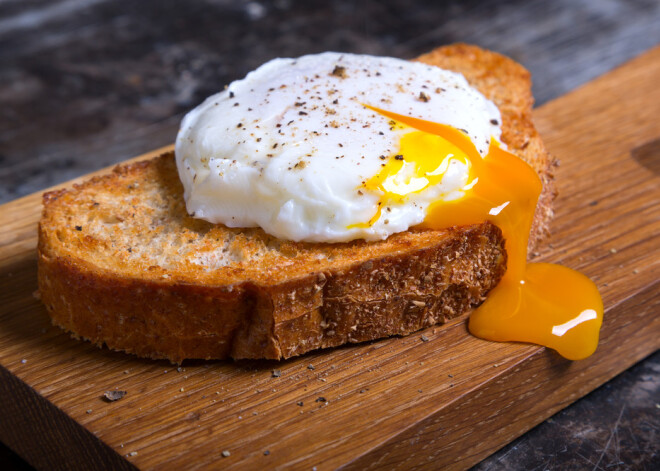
(540, 303)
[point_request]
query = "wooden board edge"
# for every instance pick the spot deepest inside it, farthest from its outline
(27, 199)
(49, 438)
(453, 439)
(614, 75)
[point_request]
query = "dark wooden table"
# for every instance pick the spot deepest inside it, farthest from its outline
(84, 84)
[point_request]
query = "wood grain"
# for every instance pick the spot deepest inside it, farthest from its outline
(397, 403)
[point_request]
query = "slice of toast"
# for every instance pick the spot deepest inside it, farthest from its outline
(122, 263)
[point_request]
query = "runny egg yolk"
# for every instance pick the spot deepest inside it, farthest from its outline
(539, 303)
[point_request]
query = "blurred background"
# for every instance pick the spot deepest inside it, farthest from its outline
(89, 83)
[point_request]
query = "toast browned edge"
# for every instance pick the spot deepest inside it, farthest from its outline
(360, 291)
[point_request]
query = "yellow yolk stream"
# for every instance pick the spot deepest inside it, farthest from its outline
(540, 303)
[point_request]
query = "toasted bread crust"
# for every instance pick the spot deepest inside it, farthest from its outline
(122, 263)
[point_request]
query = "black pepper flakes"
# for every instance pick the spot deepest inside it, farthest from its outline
(239, 125)
(423, 97)
(231, 94)
(398, 157)
(339, 71)
(300, 403)
(79, 228)
(321, 399)
(494, 122)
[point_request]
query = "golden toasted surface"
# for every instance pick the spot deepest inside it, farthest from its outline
(134, 222)
(122, 263)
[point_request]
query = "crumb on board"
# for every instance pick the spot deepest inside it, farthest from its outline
(112, 396)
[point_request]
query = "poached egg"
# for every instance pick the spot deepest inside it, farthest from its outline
(335, 147)
(298, 148)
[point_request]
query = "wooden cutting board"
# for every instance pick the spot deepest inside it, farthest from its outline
(392, 404)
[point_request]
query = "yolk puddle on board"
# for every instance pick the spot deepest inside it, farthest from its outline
(540, 303)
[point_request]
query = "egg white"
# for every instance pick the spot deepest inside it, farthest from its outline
(289, 147)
